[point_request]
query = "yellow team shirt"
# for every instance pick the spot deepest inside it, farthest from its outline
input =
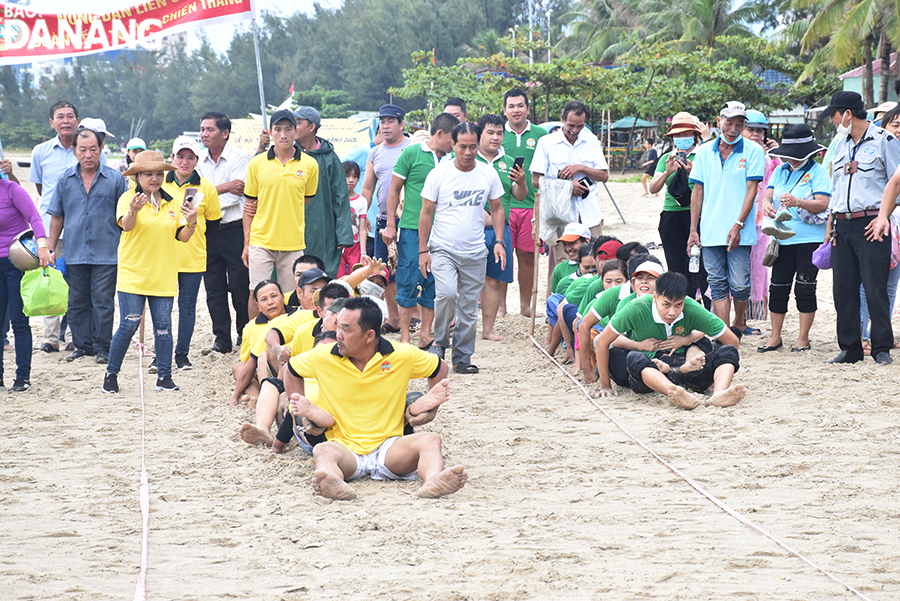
(281, 192)
(285, 325)
(305, 337)
(148, 258)
(367, 405)
(192, 256)
(250, 334)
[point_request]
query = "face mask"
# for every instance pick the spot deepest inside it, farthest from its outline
(369, 288)
(683, 143)
(799, 166)
(733, 141)
(843, 130)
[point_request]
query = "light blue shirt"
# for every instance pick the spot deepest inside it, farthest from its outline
(801, 184)
(725, 187)
(48, 161)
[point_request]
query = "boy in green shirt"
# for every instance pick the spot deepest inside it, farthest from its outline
(666, 348)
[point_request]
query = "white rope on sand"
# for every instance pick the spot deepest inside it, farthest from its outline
(715, 500)
(140, 591)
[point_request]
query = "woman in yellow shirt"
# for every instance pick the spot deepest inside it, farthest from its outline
(185, 182)
(152, 226)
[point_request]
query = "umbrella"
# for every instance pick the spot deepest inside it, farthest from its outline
(629, 122)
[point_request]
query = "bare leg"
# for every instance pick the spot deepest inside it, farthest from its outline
(422, 451)
(405, 318)
(526, 280)
(566, 335)
(644, 183)
(806, 321)
(390, 297)
(425, 335)
(722, 309)
(252, 308)
(490, 303)
(740, 315)
(501, 312)
(333, 462)
(555, 337)
(777, 321)
(265, 416)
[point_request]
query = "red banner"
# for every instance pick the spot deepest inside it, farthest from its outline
(26, 36)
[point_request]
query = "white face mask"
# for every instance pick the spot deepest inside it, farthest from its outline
(370, 288)
(844, 130)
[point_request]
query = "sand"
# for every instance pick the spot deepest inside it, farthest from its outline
(559, 501)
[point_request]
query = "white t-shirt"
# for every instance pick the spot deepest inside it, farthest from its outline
(358, 206)
(459, 198)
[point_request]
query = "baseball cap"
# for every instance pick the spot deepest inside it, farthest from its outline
(649, 267)
(391, 110)
(842, 101)
(733, 109)
(182, 142)
(573, 232)
(608, 250)
(97, 125)
(282, 115)
(756, 119)
(135, 143)
(336, 305)
(310, 114)
(883, 108)
(311, 275)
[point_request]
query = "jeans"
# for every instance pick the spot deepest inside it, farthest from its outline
(458, 281)
(728, 272)
(131, 307)
(893, 279)
(188, 287)
(11, 300)
(92, 306)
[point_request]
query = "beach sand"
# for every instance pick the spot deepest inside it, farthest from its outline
(559, 502)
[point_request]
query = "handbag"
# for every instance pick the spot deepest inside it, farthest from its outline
(771, 253)
(44, 292)
(679, 187)
(821, 257)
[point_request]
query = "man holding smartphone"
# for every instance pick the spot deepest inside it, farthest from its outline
(576, 154)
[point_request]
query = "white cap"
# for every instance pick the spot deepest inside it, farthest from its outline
(182, 142)
(733, 109)
(135, 143)
(573, 232)
(97, 125)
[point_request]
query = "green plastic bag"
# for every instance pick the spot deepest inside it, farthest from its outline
(44, 292)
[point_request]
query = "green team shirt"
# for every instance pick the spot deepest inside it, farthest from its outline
(576, 290)
(501, 164)
(639, 320)
(610, 302)
(670, 204)
(561, 273)
(413, 165)
(523, 145)
(595, 289)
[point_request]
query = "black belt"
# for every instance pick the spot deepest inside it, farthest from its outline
(856, 215)
(231, 224)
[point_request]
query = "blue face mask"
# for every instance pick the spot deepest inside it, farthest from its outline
(683, 143)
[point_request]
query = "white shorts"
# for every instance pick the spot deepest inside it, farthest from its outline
(372, 464)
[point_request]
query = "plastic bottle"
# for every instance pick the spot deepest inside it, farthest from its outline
(694, 265)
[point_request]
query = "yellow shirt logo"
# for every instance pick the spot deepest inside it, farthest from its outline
(299, 173)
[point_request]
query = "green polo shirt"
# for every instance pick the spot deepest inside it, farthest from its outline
(413, 166)
(523, 145)
(576, 290)
(639, 320)
(609, 302)
(501, 164)
(561, 274)
(670, 204)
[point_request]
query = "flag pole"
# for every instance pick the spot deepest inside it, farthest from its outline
(262, 94)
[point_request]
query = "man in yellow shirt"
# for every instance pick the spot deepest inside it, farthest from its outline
(279, 185)
(363, 380)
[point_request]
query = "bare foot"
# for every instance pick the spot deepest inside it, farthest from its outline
(252, 434)
(501, 312)
(437, 396)
(662, 366)
(695, 363)
(332, 487)
(682, 398)
(445, 483)
(729, 397)
(569, 358)
(526, 311)
(492, 336)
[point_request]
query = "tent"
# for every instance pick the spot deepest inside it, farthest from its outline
(629, 122)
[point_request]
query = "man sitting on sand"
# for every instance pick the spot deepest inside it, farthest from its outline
(668, 348)
(362, 401)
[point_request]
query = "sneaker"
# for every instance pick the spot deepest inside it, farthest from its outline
(166, 383)
(110, 384)
(783, 215)
(101, 358)
(437, 350)
(153, 368)
(182, 362)
(777, 230)
(20, 385)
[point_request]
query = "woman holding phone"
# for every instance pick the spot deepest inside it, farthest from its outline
(153, 224)
(185, 184)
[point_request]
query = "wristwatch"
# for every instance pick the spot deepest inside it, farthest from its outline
(500, 242)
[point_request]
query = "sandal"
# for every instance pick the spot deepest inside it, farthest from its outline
(465, 369)
(414, 324)
(389, 329)
(427, 347)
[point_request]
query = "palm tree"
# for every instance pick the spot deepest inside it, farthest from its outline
(598, 28)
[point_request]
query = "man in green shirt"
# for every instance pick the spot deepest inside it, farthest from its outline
(412, 167)
(664, 335)
(520, 140)
(515, 189)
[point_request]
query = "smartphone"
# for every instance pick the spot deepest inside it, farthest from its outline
(519, 162)
(189, 195)
(682, 156)
(587, 183)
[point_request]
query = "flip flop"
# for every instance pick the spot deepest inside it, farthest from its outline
(748, 331)
(428, 346)
(765, 348)
(414, 324)
(389, 329)
(465, 369)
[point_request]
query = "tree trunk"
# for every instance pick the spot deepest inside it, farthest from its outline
(868, 92)
(885, 52)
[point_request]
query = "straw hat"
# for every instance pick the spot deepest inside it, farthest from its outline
(148, 160)
(682, 123)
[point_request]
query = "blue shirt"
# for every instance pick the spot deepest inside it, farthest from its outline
(48, 160)
(92, 234)
(801, 183)
(725, 187)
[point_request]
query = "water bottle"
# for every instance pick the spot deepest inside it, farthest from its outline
(694, 265)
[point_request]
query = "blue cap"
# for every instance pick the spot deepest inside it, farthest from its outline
(756, 119)
(310, 114)
(282, 115)
(391, 110)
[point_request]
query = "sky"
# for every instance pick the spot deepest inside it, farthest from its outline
(219, 35)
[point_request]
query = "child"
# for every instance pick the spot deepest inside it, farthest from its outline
(358, 207)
